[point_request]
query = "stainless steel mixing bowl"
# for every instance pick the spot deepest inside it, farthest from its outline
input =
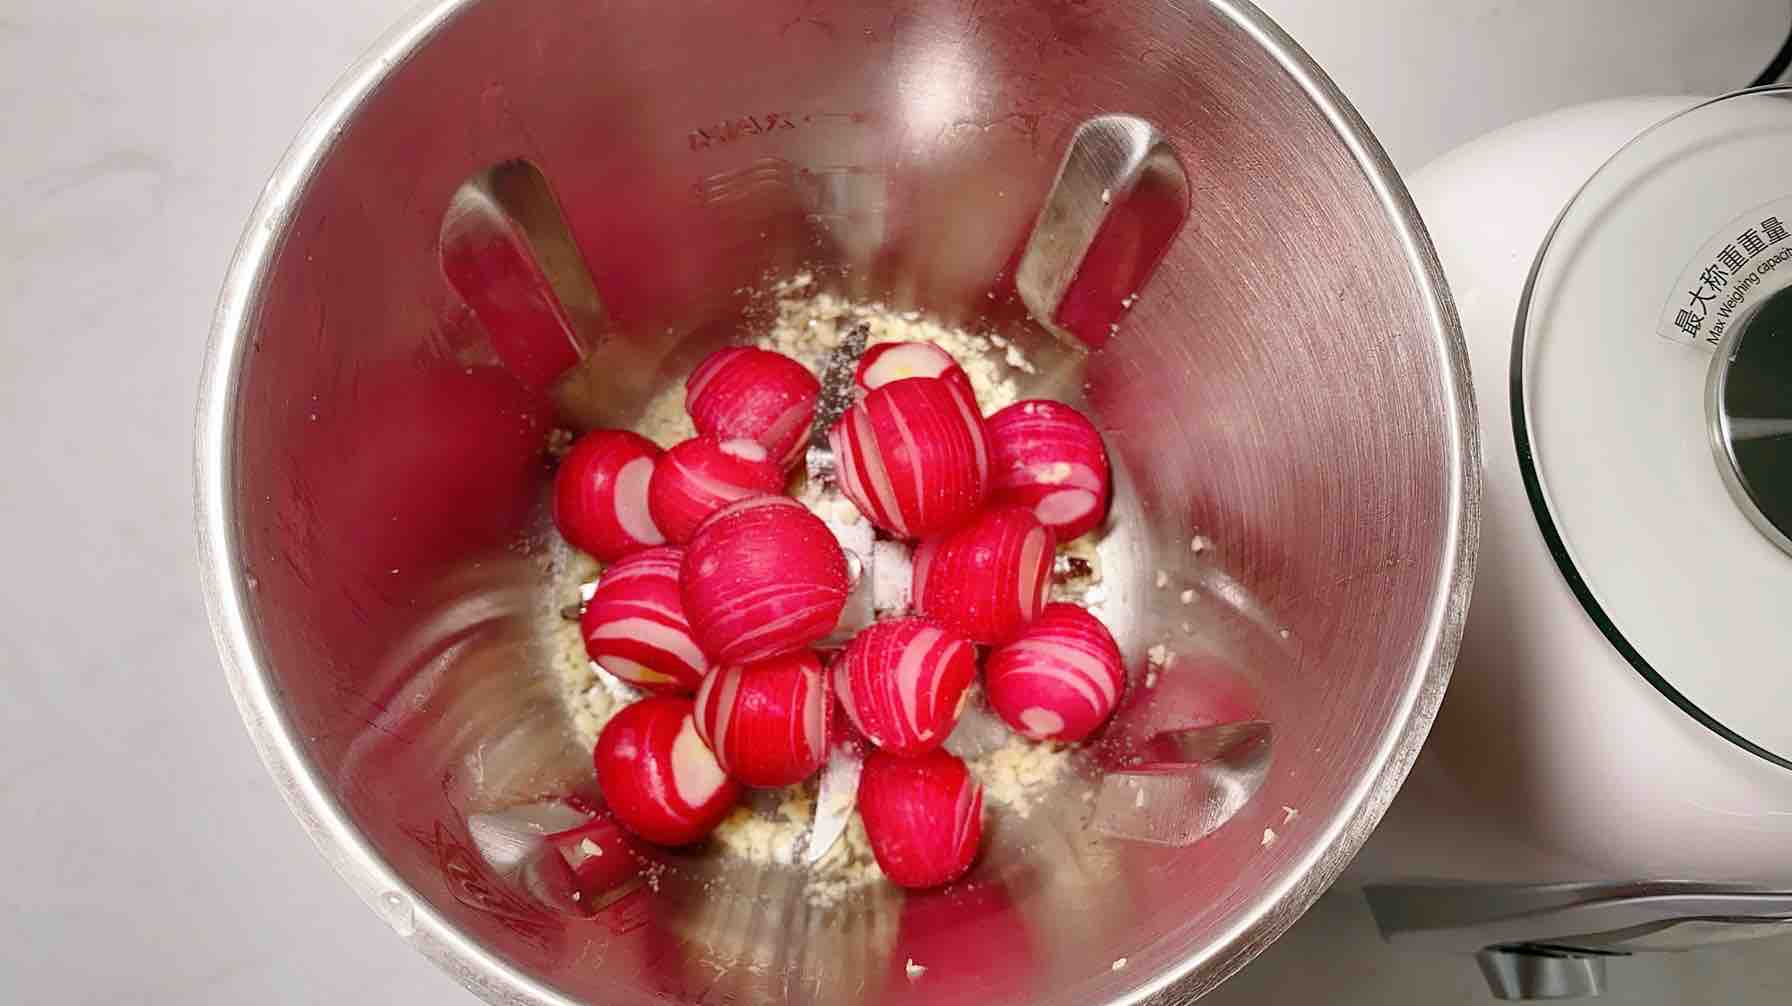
(1289, 385)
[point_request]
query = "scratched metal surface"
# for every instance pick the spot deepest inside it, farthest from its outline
(1288, 385)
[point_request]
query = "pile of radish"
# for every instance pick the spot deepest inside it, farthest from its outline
(719, 588)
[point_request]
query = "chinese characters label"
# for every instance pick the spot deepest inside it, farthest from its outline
(1735, 269)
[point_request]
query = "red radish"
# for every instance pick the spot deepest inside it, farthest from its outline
(762, 577)
(1048, 457)
(988, 578)
(604, 866)
(700, 476)
(923, 816)
(659, 779)
(600, 494)
(902, 683)
(753, 393)
(767, 721)
(896, 361)
(1059, 679)
(634, 625)
(913, 457)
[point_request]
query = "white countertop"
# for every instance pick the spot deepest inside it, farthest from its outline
(148, 858)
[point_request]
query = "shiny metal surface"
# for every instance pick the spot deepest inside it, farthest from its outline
(1538, 973)
(1288, 386)
(1120, 197)
(1197, 783)
(1549, 941)
(1464, 918)
(836, 797)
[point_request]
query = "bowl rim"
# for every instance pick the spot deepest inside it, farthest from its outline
(279, 743)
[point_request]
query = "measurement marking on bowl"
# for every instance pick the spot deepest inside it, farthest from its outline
(730, 130)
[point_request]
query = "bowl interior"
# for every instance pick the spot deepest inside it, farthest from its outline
(1284, 387)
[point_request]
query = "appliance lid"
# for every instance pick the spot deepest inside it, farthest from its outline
(1652, 409)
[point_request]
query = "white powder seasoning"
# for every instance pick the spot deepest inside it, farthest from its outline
(666, 423)
(848, 866)
(776, 838)
(809, 325)
(590, 704)
(1017, 774)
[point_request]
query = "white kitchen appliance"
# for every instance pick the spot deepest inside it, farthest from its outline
(1611, 771)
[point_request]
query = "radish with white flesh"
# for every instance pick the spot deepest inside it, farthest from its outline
(896, 361)
(600, 494)
(902, 683)
(634, 625)
(657, 776)
(1060, 679)
(913, 457)
(923, 816)
(767, 721)
(1048, 457)
(754, 393)
(603, 864)
(702, 475)
(988, 578)
(762, 577)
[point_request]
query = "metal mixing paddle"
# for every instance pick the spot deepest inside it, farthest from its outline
(879, 571)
